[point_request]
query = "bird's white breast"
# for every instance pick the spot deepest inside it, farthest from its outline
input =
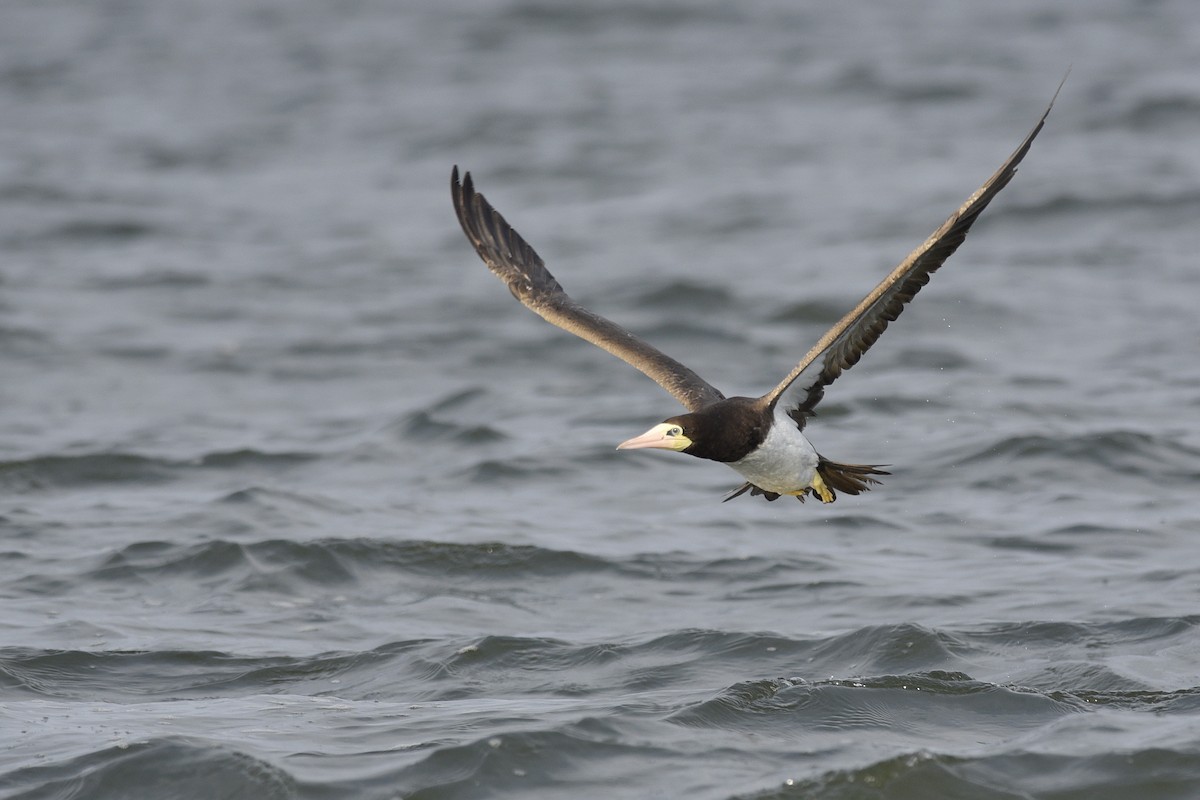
(784, 463)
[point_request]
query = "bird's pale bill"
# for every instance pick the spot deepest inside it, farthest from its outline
(663, 436)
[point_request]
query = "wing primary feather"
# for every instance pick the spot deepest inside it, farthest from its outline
(843, 345)
(516, 263)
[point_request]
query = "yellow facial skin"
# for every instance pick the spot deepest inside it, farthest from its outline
(663, 436)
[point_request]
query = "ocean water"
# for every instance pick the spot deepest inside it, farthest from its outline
(297, 502)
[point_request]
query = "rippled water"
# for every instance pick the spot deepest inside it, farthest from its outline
(298, 503)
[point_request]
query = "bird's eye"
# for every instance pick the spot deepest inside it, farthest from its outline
(675, 431)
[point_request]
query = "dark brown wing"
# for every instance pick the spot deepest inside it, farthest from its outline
(843, 344)
(516, 263)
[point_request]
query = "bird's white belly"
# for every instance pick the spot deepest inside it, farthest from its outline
(785, 462)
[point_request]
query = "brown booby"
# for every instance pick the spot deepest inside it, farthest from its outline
(762, 437)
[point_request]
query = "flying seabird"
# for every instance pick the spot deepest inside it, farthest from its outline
(761, 438)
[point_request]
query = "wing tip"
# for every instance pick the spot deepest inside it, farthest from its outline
(461, 190)
(1061, 83)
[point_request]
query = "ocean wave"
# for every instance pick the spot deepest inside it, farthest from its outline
(515, 711)
(1006, 775)
(683, 330)
(164, 767)
(88, 230)
(424, 426)
(521, 764)
(816, 312)
(1123, 454)
(1070, 203)
(1154, 111)
(26, 342)
(684, 294)
(332, 561)
(918, 703)
(90, 469)
(122, 676)
(154, 278)
(45, 472)
(511, 470)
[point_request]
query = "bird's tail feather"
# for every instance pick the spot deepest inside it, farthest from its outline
(830, 479)
(848, 478)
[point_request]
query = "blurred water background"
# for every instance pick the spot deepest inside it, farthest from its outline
(297, 502)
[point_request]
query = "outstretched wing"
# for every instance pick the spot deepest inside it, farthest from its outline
(516, 263)
(844, 344)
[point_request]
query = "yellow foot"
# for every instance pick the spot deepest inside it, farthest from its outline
(821, 490)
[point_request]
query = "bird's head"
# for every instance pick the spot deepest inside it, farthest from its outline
(675, 433)
(724, 431)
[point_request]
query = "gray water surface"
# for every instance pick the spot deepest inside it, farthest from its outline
(299, 503)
